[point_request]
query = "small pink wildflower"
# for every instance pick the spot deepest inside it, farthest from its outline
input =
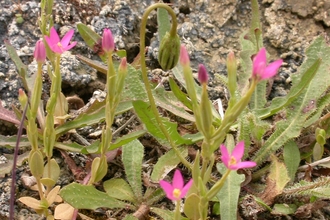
(177, 190)
(40, 52)
(261, 70)
(203, 77)
(58, 46)
(108, 44)
(233, 161)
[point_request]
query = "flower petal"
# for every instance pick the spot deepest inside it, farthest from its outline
(54, 38)
(271, 69)
(70, 46)
(66, 39)
(186, 188)
(168, 188)
(259, 62)
(225, 157)
(238, 151)
(246, 164)
(177, 182)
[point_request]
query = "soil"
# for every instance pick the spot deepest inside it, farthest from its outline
(210, 29)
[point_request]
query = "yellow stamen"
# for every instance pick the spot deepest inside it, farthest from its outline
(176, 193)
(232, 161)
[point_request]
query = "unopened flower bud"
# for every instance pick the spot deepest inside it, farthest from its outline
(184, 56)
(169, 51)
(123, 65)
(232, 74)
(23, 99)
(108, 43)
(122, 72)
(202, 74)
(40, 52)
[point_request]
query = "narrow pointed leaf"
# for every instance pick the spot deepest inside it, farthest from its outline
(132, 157)
(119, 189)
(166, 163)
(87, 197)
(228, 195)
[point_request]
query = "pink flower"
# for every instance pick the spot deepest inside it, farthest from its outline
(58, 46)
(202, 74)
(184, 57)
(40, 52)
(108, 44)
(233, 161)
(177, 190)
(260, 68)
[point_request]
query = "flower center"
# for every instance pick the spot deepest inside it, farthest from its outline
(176, 193)
(232, 161)
(59, 44)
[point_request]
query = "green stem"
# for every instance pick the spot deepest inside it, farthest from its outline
(40, 191)
(145, 76)
(36, 95)
(110, 105)
(177, 213)
(231, 116)
(216, 187)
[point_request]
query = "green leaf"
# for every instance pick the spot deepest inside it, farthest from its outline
(177, 72)
(87, 197)
(179, 94)
(191, 209)
(166, 163)
(54, 168)
(229, 193)
(10, 142)
(153, 196)
(258, 99)
(279, 102)
(304, 105)
(91, 38)
(6, 168)
(146, 115)
(168, 101)
(284, 209)
(21, 67)
(278, 174)
(130, 217)
(319, 188)
(126, 139)
(119, 189)
(291, 156)
(163, 22)
(75, 147)
(323, 103)
(94, 114)
(164, 214)
(132, 157)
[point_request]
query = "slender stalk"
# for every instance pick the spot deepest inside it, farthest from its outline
(145, 76)
(216, 187)
(231, 116)
(13, 172)
(177, 213)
